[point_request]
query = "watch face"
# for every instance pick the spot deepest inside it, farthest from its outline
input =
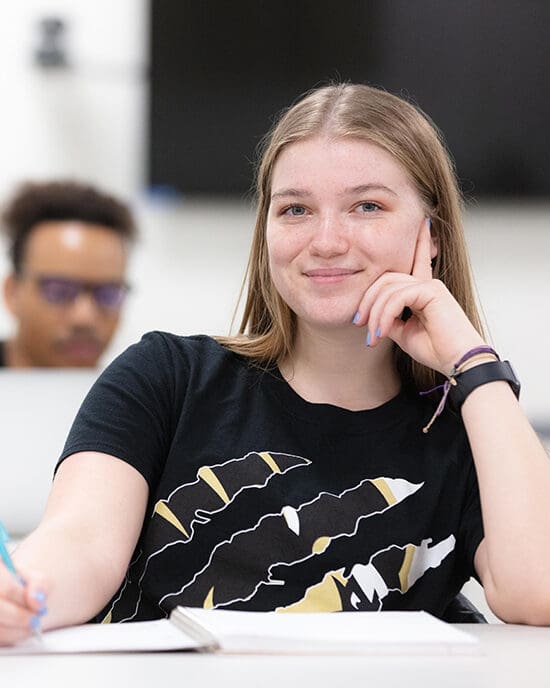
(516, 385)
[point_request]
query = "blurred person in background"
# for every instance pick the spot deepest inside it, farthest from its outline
(68, 245)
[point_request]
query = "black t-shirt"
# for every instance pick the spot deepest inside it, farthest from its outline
(2, 355)
(260, 500)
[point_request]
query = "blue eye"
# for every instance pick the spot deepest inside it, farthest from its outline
(295, 210)
(369, 206)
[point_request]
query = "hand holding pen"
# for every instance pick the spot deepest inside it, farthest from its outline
(22, 605)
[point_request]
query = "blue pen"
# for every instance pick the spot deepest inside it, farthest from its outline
(4, 539)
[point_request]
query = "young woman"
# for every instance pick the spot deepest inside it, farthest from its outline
(296, 466)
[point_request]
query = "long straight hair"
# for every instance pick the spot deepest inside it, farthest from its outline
(268, 326)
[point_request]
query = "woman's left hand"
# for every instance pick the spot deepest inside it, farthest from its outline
(438, 332)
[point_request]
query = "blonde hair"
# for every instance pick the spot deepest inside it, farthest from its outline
(268, 325)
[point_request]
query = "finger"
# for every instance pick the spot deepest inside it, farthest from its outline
(396, 302)
(391, 312)
(379, 315)
(387, 311)
(12, 589)
(385, 281)
(36, 592)
(422, 262)
(37, 599)
(16, 617)
(27, 591)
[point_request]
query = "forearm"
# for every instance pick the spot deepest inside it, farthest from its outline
(80, 577)
(82, 548)
(514, 479)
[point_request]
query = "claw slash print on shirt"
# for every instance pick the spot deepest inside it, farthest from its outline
(239, 537)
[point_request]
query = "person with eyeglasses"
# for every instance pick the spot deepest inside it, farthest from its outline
(69, 245)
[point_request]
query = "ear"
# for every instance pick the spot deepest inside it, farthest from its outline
(10, 293)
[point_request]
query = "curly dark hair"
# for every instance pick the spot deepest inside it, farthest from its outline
(36, 202)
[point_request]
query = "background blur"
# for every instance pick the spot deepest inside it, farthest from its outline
(95, 119)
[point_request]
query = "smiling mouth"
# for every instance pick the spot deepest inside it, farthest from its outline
(330, 275)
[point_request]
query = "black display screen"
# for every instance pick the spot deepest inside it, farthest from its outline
(221, 71)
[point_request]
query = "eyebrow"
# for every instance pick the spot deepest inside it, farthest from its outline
(365, 188)
(293, 193)
(362, 188)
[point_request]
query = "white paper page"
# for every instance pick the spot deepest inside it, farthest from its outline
(141, 636)
(346, 632)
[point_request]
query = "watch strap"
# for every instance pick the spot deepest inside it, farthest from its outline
(480, 375)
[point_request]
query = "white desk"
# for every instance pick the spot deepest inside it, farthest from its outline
(513, 656)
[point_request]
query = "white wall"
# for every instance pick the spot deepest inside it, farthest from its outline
(89, 121)
(86, 120)
(510, 251)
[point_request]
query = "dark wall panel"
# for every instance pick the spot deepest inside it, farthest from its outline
(221, 70)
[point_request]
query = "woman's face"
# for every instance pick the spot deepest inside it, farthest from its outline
(342, 212)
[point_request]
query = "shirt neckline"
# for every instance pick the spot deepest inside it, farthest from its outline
(325, 415)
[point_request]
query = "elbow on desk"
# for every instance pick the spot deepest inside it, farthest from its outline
(529, 607)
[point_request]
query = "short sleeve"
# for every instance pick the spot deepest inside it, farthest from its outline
(131, 410)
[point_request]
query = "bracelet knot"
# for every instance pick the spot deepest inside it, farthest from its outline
(477, 353)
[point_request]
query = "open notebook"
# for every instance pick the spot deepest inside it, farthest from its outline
(360, 633)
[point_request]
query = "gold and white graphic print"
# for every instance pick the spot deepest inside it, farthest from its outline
(256, 533)
(394, 569)
(217, 486)
(308, 531)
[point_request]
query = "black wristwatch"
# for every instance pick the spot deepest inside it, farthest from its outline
(479, 375)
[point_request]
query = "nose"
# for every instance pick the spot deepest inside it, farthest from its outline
(330, 236)
(84, 311)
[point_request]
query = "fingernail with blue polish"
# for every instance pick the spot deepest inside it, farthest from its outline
(356, 318)
(42, 611)
(368, 338)
(429, 222)
(35, 623)
(39, 596)
(378, 333)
